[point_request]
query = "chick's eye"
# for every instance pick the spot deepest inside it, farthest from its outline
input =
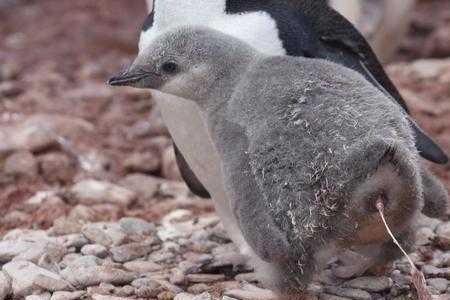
(169, 67)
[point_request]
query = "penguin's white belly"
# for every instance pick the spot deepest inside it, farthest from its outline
(189, 131)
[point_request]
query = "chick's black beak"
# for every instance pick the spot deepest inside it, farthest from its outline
(127, 78)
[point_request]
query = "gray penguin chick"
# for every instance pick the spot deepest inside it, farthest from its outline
(307, 149)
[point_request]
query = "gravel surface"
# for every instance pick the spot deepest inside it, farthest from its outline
(92, 206)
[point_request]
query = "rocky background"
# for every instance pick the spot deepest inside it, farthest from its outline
(91, 206)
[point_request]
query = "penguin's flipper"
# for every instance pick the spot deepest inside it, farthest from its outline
(189, 177)
(427, 148)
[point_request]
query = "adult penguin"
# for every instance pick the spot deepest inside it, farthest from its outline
(308, 28)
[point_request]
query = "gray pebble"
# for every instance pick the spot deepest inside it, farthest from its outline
(81, 277)
(135, 226)
(371, 284)
(188, 267)
(95, 250)
(443, 235)
(142, 266)
(44, 296)
(68, 295)
(91, 192)
(11, 248)
(105, 234)
(331, 297)
(27, 278)
(356, 294)
(21, 163)
(5, 285)
(130, 251)
(198, 288)
(432, 271)
(440, 284)
(205, 278)
(73, 240)
(424, 236)
(184, 296)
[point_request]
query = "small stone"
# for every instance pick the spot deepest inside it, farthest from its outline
(15, 218)
(82, 277)
(28, 137)
(5, 285)
(177, 277)
(188, 267)
(45, 296)
(66, 226)
(53, 252)
(331, 297)
(57, 167)
(251, 292)
(11, 248)
(184, 296)
(203, 296)
(125, 291)
(96, 213)
(247, 277)
(400, 279)
(174, 189)
(198, 288)
(72, 240)
(26, 235)
(68, 295)
(146, 282)
(10, 89)
(356, 294)
(102, 288)
(371, 284)
(21, 163)
(162, 256)
(440, 284)
(105, 234)
(204, 278)
(146, 162)
(145, 186)
(169, 286)
(231, 258)
(142, 266)
(9, 71)
(137, 227)
(91, 192)
(443, 235)
(166, 295)
(95, 250)
(432, 271)
(130, 251)
(95, 163)
(424, 236)
(27, 278)
(103, 297)
(147, 288)
(314, 289)
(77, 260)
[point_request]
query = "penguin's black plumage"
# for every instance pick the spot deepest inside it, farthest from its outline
(310, 28)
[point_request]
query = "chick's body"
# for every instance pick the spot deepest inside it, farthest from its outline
(299, 139)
